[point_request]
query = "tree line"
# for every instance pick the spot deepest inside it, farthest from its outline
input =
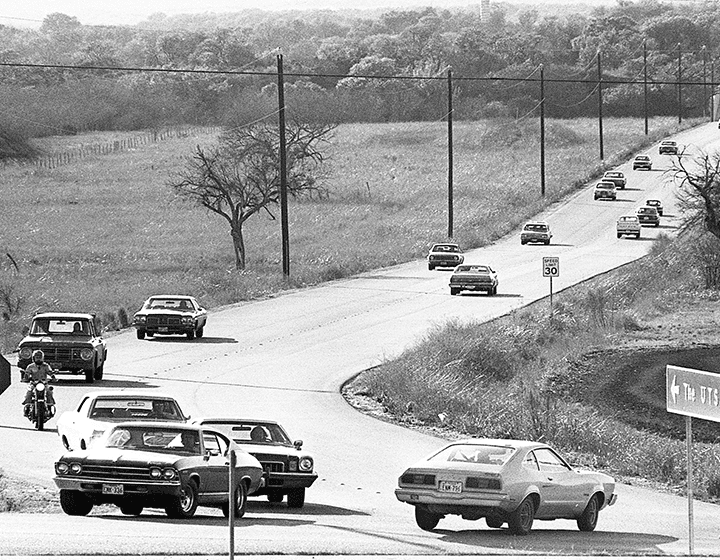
(353, 66)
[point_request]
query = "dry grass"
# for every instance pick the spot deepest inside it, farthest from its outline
(101, 234)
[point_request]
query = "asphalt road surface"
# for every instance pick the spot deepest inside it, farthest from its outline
(286, 357)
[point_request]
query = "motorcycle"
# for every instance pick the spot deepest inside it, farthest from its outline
(39, 411)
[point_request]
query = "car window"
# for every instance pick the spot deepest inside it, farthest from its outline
(137, 408)
(58, 326)
(160, 440)
(475, 453)
(530, 462)
(214, 443)
(174, 304)
(549, 461)
(249, 432)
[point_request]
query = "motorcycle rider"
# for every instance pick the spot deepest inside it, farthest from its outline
(39, 370)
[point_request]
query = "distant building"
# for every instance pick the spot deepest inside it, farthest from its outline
(484, 10)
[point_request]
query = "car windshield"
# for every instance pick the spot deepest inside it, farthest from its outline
(646, 210)
(642, 158)
(174, 304)
(475, 453)
(473, 268)
(53, 326)
(653, 203)
(172, 440)
(628, 219)
(121, 409)
(252, 432)
(536, 227)
(445, 249)
(613, 174)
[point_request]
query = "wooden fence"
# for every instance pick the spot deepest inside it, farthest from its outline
(51, 161)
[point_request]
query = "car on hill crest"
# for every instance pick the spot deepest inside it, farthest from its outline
(669, 147)
(604, 190)
(535, 232)
(642, 162)
(617, 177)
(445, 255)
(648, 215)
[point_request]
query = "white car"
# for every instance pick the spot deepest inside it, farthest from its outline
(100, 410)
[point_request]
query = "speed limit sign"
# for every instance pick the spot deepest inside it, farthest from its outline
(551, 266)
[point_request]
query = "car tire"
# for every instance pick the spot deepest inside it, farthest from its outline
(637, 236)
(131, 508)
(296, 498)
(275, 496)
(425, 519)
(99, 371)
(65, 442)
(619, 235)
(200, 332)
(523, 242)
(74, 502)
(140, 334)
(494, 522)
(547, 242)
(454, 291)
(589, 517)
(184, 505)
(191, 334)
(431, 267)
(90, 375)
(239, 503)
(521, 520)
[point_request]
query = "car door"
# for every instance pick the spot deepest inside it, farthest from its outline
(562, 488)
(217, 464)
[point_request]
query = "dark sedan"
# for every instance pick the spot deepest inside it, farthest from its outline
(177, 467)
(288, 470)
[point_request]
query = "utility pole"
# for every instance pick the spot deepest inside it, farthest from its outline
(450, 154)
(679, 84)
(283, 171)
(600, 115)
(542, 130)
(704, 52)
(645, 86)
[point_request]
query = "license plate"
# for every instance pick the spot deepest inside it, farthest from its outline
(114, 489)
(162, 329)
(451, 487)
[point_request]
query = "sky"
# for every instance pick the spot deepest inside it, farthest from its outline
(30, 13)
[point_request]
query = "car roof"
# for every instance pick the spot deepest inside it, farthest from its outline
(668, 142)
(537, 223)
(518, 443)
(649, 200)
(64, 315)
(223, 420)
(613, 173)
(647, 208)
(642, 156)
(603, 183)
(125, 394)
(628, 217)
(451, 243)
(170, 296)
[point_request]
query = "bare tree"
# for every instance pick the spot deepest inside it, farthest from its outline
(699, 195)
(241, 175)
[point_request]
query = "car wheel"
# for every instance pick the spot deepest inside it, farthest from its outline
(296, 498)
(494, 522)
(191, 334)
(425, 519)
(131, 508)
(239, 503)
(65, 443)
(89, 375)
(619, 235)
(184, 505)
(637, 236)
(431, 267)
(275, 496)
(199, 333)
(454, 291)
(547, 242)
(523, 242)
(99, 371)
(74, 502)
(521, 520)
(140, 334)
(589, 517)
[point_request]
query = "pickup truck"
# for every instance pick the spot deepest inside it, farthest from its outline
(628, 225)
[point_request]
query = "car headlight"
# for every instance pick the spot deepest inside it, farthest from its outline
(306, 464)
(26, 352)
(87, 354)
(75, 468)
(155, 472)
(62, 468)
(140, 319)
(169, 474)
(186, 320)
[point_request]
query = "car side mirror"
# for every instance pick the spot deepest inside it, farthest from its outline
(297, 444)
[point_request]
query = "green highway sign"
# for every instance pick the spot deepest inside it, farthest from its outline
(692, 392)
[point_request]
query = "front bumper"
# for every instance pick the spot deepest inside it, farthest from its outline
(94, 488)
(285, 481)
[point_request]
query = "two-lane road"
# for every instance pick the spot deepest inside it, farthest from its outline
(286, 357)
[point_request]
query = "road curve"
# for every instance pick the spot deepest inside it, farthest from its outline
(286, 357)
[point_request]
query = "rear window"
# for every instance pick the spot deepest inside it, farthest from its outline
(475, 453)
(473, 268)
(536, 227)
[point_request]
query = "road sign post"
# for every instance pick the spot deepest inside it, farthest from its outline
(692, 393)
(551, 269)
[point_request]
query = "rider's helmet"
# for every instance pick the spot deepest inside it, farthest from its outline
(38, 356)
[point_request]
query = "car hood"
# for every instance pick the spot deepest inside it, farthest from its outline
(112, 455)
(262, 449)
(57, 340)
(164, 312)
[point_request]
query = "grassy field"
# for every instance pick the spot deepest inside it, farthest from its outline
(103, 233)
